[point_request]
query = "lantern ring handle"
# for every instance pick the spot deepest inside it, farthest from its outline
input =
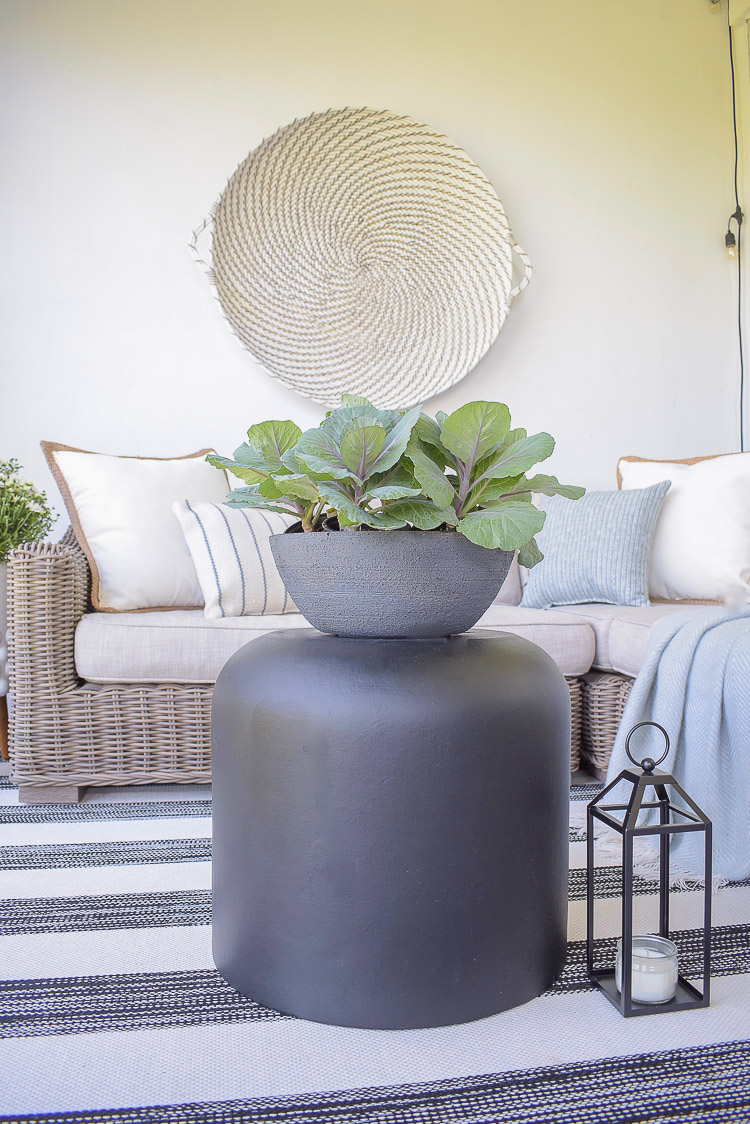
(647, 764)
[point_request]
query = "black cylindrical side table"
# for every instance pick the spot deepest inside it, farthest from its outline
(390, 826)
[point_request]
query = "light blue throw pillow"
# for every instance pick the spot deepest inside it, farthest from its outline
(596, 549)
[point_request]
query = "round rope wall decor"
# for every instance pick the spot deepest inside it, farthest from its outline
(358, 251)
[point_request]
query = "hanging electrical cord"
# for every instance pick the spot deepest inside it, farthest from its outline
(734, 244)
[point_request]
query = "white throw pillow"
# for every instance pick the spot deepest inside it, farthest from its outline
(121, 512)
(701, 547)
(232, 554)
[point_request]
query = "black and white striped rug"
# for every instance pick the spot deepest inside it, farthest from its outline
(111, 1009)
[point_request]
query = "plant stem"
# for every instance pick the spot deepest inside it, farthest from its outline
(464, 475)
(476, 492)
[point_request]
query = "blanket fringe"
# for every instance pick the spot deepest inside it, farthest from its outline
(645, 855)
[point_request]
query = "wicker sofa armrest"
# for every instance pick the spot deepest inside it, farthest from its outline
(48, 593)
(66, 733)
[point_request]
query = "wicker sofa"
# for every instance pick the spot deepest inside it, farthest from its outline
(67, 732)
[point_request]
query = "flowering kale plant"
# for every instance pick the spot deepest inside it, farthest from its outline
(467, 472)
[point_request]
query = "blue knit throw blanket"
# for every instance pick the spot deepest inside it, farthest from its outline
(695, 682)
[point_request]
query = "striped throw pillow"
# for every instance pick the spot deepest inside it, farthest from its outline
(232, 556)
(596, 549)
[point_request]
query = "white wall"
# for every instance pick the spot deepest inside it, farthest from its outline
(604, 127)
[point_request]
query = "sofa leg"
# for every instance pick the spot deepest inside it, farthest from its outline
(50, 794)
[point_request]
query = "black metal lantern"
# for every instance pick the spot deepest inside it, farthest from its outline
(648, 975)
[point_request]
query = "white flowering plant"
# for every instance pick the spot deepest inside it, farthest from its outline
(25, 513)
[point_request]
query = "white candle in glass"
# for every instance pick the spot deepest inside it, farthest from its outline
(654, 974)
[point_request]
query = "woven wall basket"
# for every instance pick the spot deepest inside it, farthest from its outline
(358, 251)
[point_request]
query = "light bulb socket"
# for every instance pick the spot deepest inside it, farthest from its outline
(730, 241)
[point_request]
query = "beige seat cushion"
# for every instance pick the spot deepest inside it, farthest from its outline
(181, 646)
(186, 647)
(570, 642)
(621, 631)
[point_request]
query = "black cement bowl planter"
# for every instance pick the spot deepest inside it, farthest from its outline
(390, 584)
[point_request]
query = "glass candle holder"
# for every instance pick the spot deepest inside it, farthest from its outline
(654, 975)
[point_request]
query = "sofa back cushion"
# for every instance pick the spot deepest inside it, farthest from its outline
(231, 551)
(701, 547)
(120, 509)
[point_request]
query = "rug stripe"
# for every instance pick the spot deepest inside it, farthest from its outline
(105, 911)
(107, 952)
(46, 856)
(97, 881)
(608, 883)
(106, 831)
(81, 1005)
(193, 907)
(78, 1005)
(730, 956)
(151, 809)
(88, 813)
(585, 792)
(704, 1083)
